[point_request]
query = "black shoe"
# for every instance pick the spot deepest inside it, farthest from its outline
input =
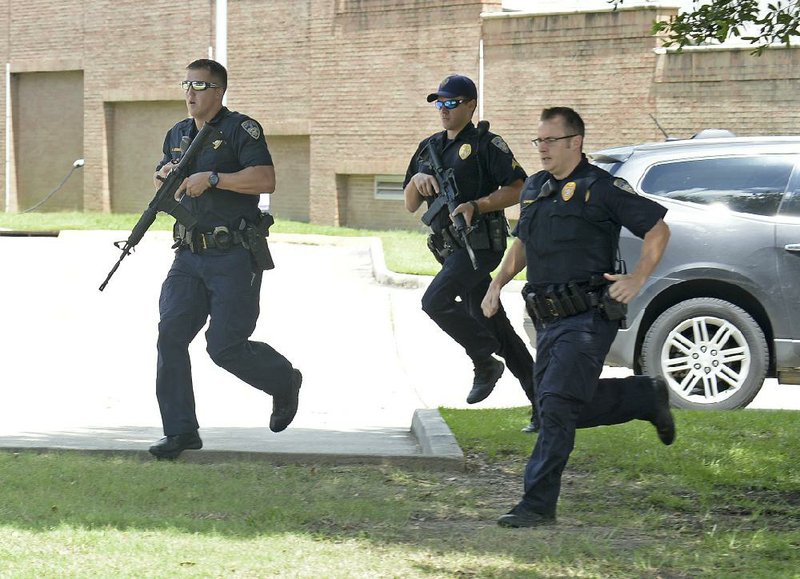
(519, 516)
(172, 446)
(284, 407)
(487, 373)
(663, 420)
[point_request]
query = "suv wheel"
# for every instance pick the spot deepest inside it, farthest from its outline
(712, 353)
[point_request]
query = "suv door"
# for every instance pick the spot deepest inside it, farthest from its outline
(787, 246)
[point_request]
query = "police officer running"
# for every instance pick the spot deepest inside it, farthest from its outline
(218, 264)
(489, 179)
(568, 236)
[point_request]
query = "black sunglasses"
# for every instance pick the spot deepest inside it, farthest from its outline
(198, 85)
(449, 104)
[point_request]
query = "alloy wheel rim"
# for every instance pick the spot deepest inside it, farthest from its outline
(705, 359)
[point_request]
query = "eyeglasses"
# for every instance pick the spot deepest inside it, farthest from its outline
(551, 140)
(198, 85)
(449, 104)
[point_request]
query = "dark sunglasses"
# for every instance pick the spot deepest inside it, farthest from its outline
(449, 104)
(198, 85)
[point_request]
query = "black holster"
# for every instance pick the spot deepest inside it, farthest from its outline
(255, 235)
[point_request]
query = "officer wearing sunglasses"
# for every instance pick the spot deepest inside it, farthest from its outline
(216, 272)
(489, 179)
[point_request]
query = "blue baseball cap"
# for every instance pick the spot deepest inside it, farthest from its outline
(454, 86)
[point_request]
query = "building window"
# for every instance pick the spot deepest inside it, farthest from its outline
(389, 187)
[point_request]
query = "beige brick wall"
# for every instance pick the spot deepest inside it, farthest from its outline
(340, 85)
(290, 155)
(136, 132)
(729, 89)
(600, 64)
(48, 110)
(363, 210)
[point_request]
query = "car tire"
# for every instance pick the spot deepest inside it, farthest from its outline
(712, 354)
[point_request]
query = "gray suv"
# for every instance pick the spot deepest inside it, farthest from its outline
(722, 310)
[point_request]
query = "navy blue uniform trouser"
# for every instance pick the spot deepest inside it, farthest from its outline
(220, 284)
(464, 320)
(569, 359)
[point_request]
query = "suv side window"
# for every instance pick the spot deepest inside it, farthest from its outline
(745, 184)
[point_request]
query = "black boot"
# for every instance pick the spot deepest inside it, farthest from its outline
(487, 373)
(171, 446)
(663, 419)
(284, 408)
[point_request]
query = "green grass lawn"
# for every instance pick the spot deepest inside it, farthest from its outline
(724, 501)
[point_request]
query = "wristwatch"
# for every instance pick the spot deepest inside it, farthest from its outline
(213, 179)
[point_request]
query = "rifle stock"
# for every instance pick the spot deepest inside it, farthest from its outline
(448, 192)
(164, 200)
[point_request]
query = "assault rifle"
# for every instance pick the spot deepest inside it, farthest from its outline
(164, 199)
(448, 192)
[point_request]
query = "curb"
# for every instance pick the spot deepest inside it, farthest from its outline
(429, 445)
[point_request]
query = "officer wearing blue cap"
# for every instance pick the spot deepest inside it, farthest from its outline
(217, 269)
(567, 235)
(489, 179)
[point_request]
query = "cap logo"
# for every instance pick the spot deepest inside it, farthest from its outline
(568, 191)
(465, 151)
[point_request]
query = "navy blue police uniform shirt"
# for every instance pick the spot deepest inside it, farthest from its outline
(571, 234)
(241, 144)
(497, 168)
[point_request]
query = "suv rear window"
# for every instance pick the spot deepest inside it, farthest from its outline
(744, 184)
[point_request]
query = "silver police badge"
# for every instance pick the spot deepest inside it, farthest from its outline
(624, 185)
(252, 128)
(501, 144)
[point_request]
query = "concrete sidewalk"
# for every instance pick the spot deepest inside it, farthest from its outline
(78, 369)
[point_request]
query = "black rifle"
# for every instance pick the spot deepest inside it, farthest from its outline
(448, 192)
(164, 199)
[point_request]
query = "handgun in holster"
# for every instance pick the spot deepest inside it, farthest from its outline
(256, 235)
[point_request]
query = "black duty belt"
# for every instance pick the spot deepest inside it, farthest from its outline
(199, 241)
(559, 301)
(556, 302)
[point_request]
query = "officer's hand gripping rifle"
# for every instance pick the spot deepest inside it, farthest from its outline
(448, 192)
(164, 199)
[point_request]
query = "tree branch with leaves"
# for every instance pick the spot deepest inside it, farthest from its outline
(777, 22)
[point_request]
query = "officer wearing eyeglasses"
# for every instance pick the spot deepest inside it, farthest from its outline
(218, 264)
(568, 236)
(489, 179)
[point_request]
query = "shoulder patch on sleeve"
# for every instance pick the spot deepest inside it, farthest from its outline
(252, 128)
(624, 185)
(500, 144)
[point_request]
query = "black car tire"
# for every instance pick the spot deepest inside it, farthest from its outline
(680, 346)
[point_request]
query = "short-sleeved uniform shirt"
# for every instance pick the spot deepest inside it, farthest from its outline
(572, 233)
(480, 166)
(242, 144)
